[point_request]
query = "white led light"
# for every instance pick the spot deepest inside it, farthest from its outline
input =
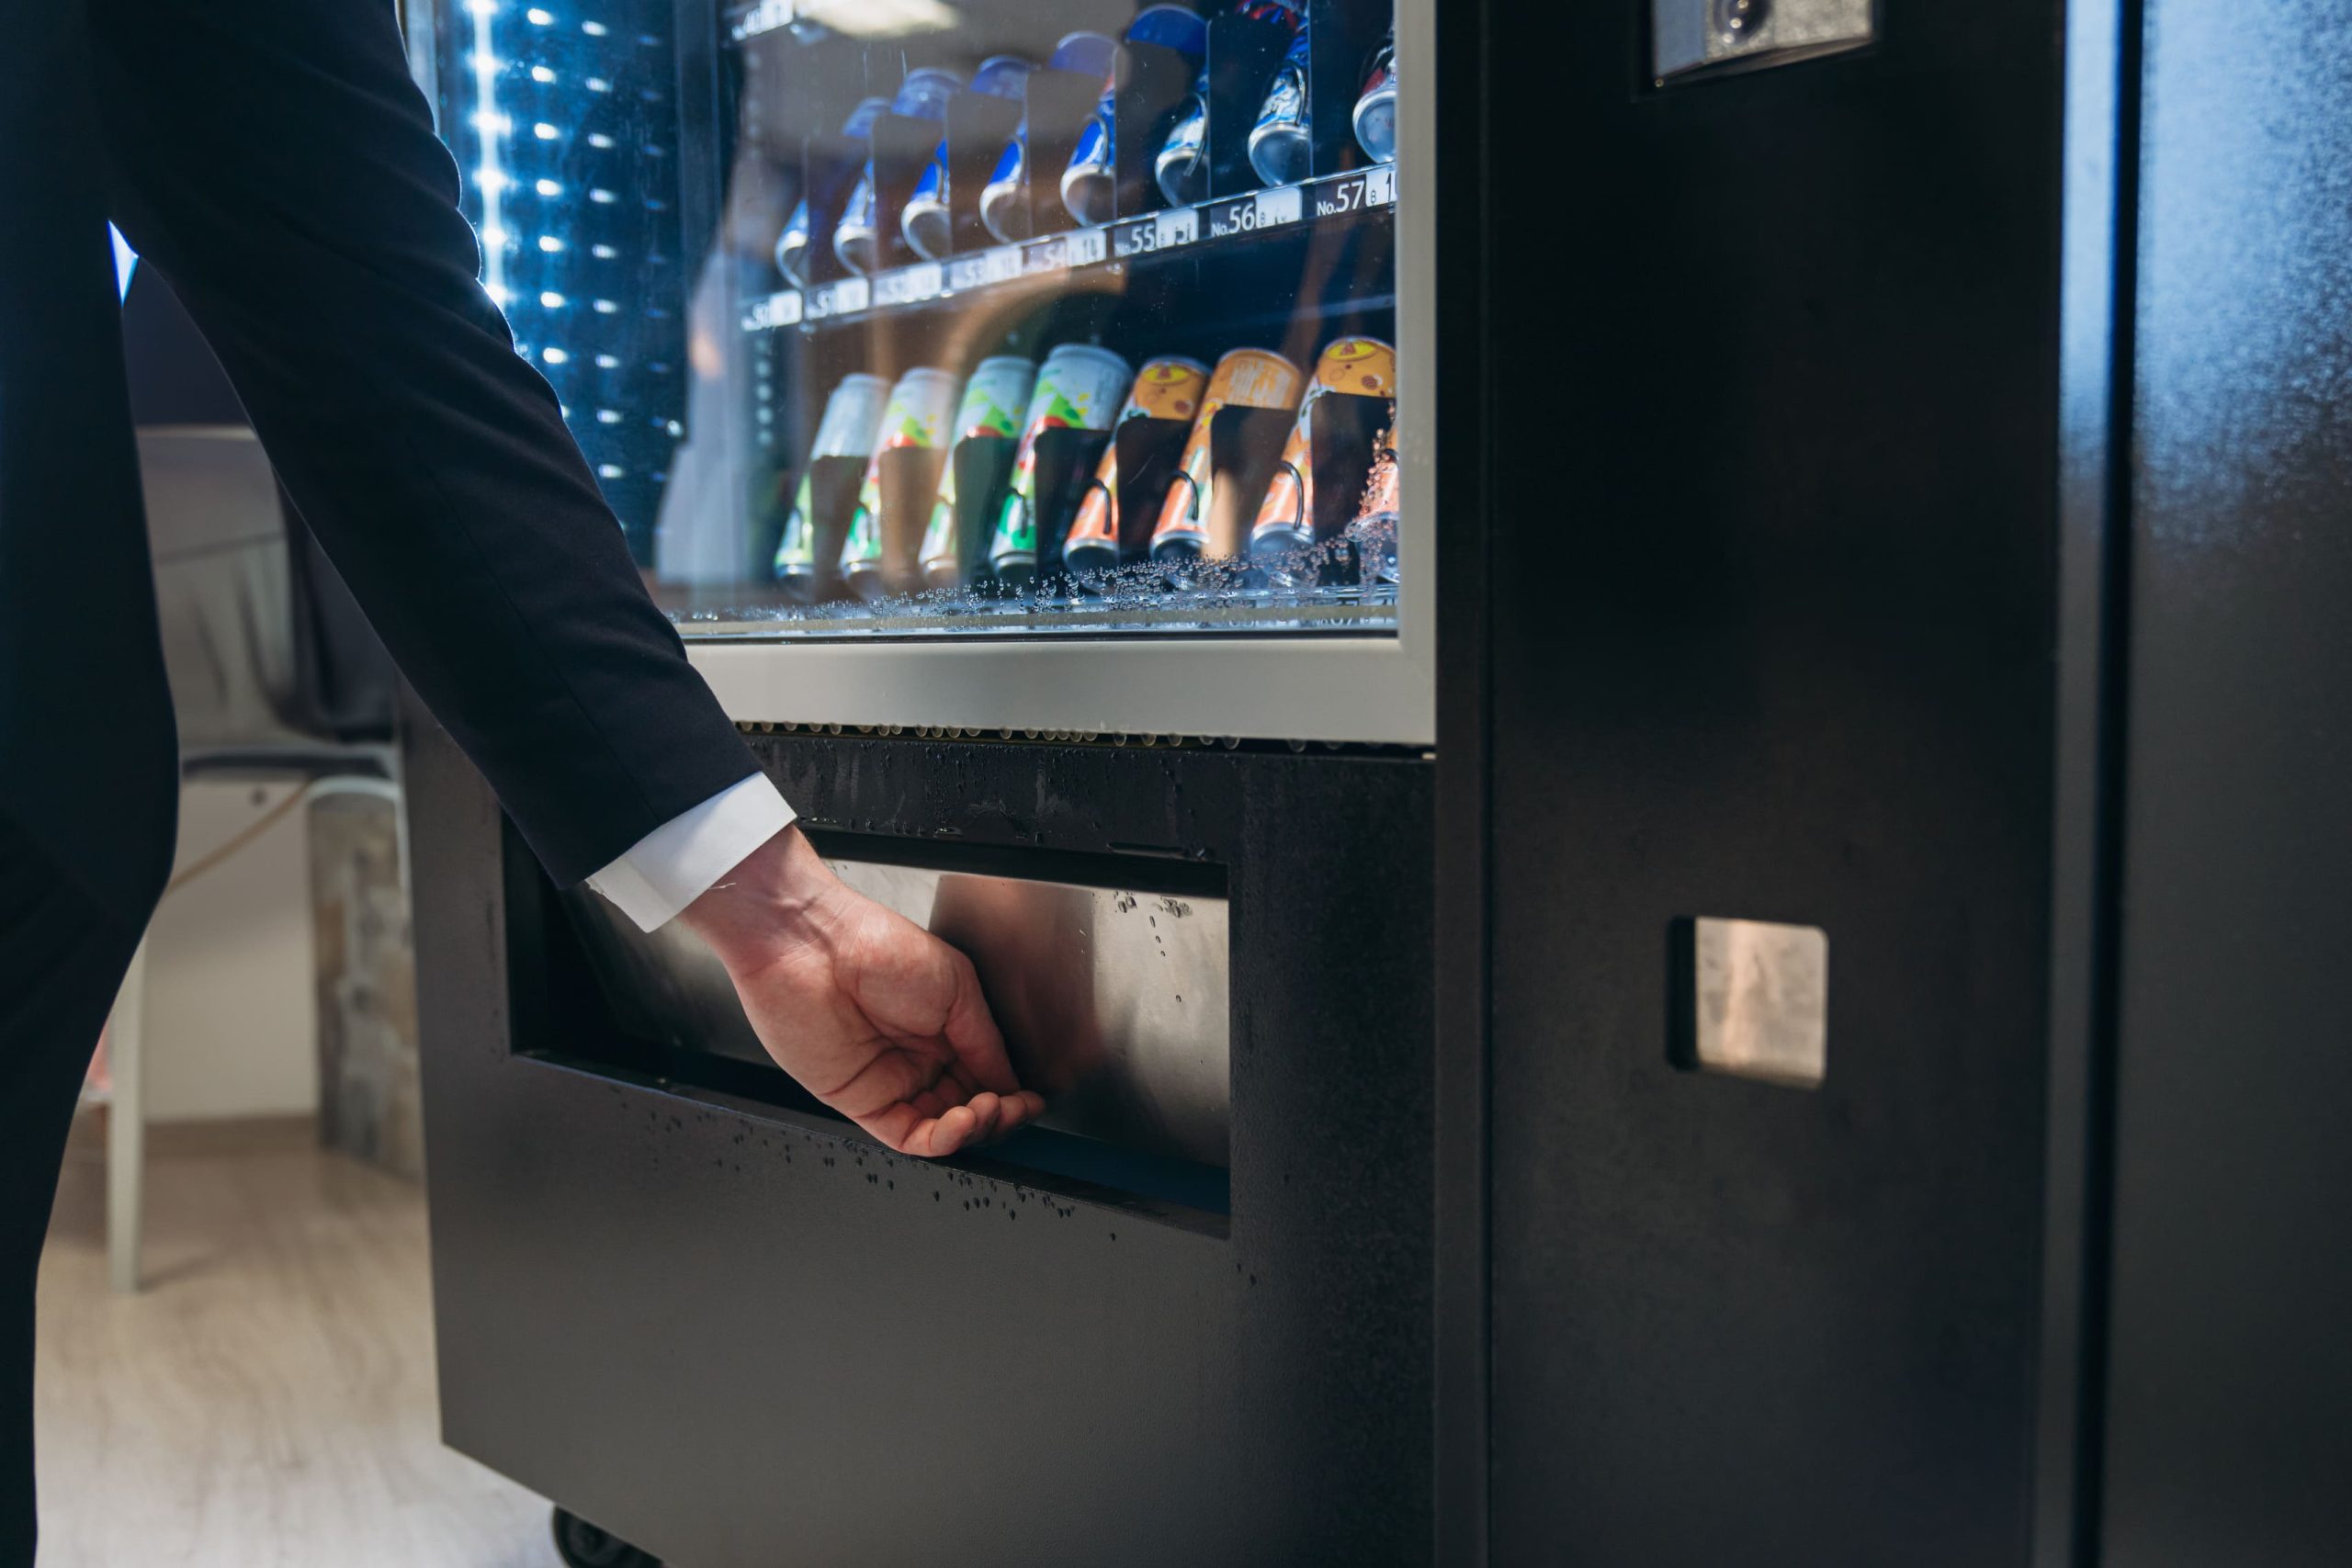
(491, 123)
(549, 243)
(541, 74)
(598, 85)
(674, 428)
(608, 416)
(606, 306)
(598, 138)
(481, 7)
(601, 196)
(595, 30)
(537, 18)
(488, 178)
(610, 471)
(483, 60)
(602, 252)
(551, 300)
(544, 132)
(493, 234)
(554, 356)
(547, 188)
(606, 362)
(500, 295)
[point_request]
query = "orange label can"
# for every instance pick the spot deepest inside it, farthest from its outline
(1358, 367)
(1246, 377)
(1169, 388)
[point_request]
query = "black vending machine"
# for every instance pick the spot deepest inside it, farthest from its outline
(1501, 629)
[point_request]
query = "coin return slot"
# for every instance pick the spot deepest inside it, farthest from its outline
(1111, 989)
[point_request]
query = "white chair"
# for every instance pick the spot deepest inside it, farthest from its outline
(270, 679)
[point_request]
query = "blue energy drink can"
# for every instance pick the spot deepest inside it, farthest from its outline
(792, 245)
(856, 241)
(1004, 201)
(1182, 165)
(927, 221)
(1281, 149)
(1090, 185)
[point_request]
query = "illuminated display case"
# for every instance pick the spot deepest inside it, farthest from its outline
(1040, 366)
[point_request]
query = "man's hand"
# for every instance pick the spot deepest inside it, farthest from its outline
(873, 1015)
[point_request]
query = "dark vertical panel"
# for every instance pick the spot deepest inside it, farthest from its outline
(1463, 844)
(2230, 1372)
(1773, 629)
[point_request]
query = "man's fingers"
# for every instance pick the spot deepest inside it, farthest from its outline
(973, 1033)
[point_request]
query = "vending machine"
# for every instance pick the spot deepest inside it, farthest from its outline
(1024, 409)
(1488, 621)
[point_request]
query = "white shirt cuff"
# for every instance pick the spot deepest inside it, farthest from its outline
(683, 858)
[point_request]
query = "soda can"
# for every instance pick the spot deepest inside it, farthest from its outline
(1377, 515)
(1376, 116)
(1005, 200)
(852, 416)
(1078, 389)
(1090, 185)
(856, 241)
(792, 245)
(926, 220)
(1165, 388)
(1365, 366)
(1281, 147)
(922, 407)
(1246, 377)
(993, 400)
(1180, 167)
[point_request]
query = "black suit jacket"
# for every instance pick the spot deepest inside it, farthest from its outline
(275, 161)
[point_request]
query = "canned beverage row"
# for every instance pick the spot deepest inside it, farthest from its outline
(1251, 472)
(1279, 142)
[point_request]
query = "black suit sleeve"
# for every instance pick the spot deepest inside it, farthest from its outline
(275, 161)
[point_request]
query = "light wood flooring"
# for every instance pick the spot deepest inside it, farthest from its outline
(267, 1401)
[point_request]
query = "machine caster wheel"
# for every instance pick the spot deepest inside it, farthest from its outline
(583, 1545)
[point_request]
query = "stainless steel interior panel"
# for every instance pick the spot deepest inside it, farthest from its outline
(1114, 1003)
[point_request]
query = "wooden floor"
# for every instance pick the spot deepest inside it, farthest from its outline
(269, 1400)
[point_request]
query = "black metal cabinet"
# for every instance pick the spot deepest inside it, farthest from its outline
(1774, 538)
(734, 1331)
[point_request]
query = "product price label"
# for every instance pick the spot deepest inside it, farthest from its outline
(1085, 247)
(1045, 256)
(778, 310)
(845, 298)
(1355, 193)
(1161, 231)
(1284, 204)
(1002, 264)
(1267, 209)
(978, 271)
(903, 285)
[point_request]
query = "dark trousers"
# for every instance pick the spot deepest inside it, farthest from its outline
(273, 161)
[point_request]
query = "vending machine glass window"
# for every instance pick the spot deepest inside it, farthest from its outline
(993, 364)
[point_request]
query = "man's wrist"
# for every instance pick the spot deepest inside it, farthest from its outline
(774, 900)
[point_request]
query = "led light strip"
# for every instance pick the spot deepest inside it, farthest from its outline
(490, 125)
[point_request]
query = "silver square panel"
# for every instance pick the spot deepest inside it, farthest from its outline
(1759, 1007)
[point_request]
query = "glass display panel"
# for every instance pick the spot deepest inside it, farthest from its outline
(920, 318)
